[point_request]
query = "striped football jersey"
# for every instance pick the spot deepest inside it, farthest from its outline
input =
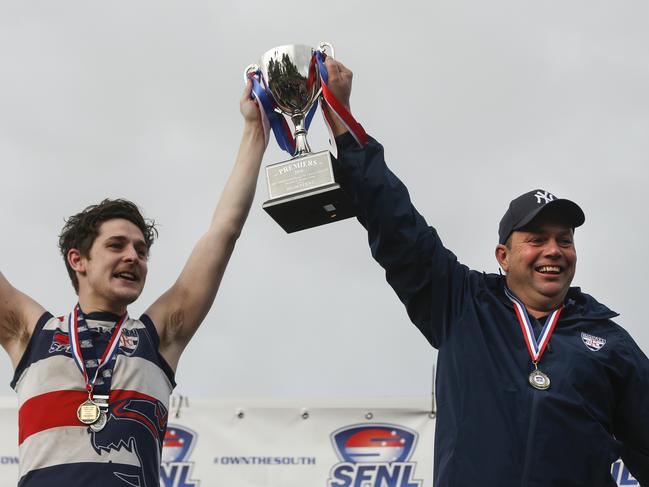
(55, 447)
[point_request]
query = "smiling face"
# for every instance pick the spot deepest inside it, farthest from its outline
(112, 276)
(539, 262)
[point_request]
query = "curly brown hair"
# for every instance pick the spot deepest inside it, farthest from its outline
(81, 230)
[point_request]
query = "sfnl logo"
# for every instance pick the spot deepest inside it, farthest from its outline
(175, 470)
(622, 476)
(374, 455)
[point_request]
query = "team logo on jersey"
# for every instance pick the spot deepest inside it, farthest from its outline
(135, 428)
(175, 469)
(592, 342)
(374, 455)
(128, 341)
(60, 342)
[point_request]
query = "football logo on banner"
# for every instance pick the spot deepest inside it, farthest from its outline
(374, 455)
(175, 470)
(622, 476)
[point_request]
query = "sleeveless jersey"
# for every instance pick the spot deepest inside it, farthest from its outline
(55, 447)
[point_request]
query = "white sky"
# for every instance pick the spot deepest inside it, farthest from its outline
(475, 102)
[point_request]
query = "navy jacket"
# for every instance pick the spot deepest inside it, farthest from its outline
(493, 429)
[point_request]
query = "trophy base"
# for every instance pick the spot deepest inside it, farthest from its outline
(310, 208)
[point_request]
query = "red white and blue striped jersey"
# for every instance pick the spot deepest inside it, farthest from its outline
(55, 447)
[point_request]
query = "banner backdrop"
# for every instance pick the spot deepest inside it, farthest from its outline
(264, 443)
(386, 442)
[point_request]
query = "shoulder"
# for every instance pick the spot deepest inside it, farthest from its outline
(586, 307)
(599, 329)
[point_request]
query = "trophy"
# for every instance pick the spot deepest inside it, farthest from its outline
(288, 84)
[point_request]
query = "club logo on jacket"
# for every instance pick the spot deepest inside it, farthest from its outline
(592, 342)
(374, 455)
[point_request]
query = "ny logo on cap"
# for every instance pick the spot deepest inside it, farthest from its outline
(544, 195)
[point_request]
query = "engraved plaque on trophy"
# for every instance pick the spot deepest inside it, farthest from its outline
(303, 192)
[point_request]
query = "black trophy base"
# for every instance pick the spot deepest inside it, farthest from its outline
(311, 208)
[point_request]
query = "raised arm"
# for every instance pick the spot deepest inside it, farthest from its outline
(18, 316)
(180, 310)
(424, 274)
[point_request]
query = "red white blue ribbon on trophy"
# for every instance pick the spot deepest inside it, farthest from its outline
(75, 345)
(534, 346)
(347, 119)
(273, 119)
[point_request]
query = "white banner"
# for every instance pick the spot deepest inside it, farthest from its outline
(8, 441)
(386, 442)
(301, 443)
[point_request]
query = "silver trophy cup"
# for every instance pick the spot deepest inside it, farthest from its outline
(303, 192)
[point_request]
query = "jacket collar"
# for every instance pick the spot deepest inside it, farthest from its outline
(578, 305)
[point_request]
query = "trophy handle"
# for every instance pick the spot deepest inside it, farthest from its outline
(329, 47)
(251, 68)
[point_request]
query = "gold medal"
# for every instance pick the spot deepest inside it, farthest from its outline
(92, 411)
(539, 380)
(88, 412)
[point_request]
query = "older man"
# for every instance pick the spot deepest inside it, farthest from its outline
(537, 386)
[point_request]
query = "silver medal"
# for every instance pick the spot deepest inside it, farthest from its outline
(539, 380)
(100, 423)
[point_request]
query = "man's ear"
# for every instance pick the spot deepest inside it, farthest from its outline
(502, 256)
(76, 261)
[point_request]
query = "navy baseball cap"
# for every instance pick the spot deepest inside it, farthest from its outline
(526, 207)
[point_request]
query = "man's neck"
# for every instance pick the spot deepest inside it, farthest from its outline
(89, 305)
(536, 313)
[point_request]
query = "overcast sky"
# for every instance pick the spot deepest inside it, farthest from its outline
(475, 103)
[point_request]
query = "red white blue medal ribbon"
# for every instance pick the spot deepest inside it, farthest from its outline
(75, 346)
(534, 346)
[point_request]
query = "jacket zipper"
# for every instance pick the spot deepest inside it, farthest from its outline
(531, 433)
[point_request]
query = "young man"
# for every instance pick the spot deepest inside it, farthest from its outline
(536, 385)
(94, 385)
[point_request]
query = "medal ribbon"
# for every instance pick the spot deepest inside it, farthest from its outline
(75, 346)
(536, 348)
